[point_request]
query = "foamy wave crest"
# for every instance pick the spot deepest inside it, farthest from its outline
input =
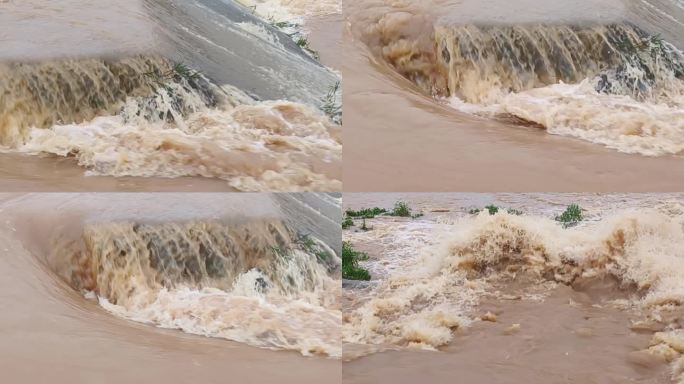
(616, 121)
(266, 146)
(640, 250)
(254, 283)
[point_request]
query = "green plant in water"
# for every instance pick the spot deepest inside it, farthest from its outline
(284, 25)
(350, 263)
(307, 244)
(571, 216)
(281, 252)
(364, 227)
(493, 210)
(348, 222)
(401, 209)
(649, 55)
(331, 106)
(303, 43)
(368, 213)
(179, 72)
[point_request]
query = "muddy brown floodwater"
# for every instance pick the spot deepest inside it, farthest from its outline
(564, 339)
(53, 330)
(400, 138)
(139, 97)
(516, 297)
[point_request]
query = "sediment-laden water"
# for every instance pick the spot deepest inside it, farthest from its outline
(144, 275)
(611, 82)
(518, 295)
(157, 93)
(494, 77)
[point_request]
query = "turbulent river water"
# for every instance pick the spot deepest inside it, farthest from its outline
(168, 89)
(97, 282)
(516, 296)
(483, 90)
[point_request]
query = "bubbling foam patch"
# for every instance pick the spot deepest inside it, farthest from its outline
(279, 146)
(254, 283)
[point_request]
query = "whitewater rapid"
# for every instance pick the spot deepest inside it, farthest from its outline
(430, 275)
(240, 268)
(267, 118)
(611, 78)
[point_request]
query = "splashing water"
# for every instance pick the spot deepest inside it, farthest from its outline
(438, 276)
(252, 282)
(148, 117)
(612, 84)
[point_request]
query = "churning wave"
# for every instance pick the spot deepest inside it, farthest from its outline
(613, 84)
(152, 115)
(421, 305)
(256, 282)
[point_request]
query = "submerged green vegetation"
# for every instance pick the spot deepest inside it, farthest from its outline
(295, 32)
(571, 216)
(493, 210)
(367, 213)
(347, 222)
(303, 43)
(331, 106)
(646, 61)
(364, 227)
(308, 245)
(652, 47)
(160, 79)
(350, 263)
(400, 209)
(331, 103)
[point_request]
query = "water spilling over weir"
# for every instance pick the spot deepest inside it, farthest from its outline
(231, 97)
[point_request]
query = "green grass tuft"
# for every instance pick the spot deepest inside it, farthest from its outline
(348, 222)
(179, 72)
(367, 213)
(331, 106)
(350, 263)
(571, 217)
(401, 209)
(493, 210)
(281, 252)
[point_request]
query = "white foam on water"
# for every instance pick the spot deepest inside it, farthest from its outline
(265, 146)
(577, 110)
(241, 314)
(421, 302)
(250, 283)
